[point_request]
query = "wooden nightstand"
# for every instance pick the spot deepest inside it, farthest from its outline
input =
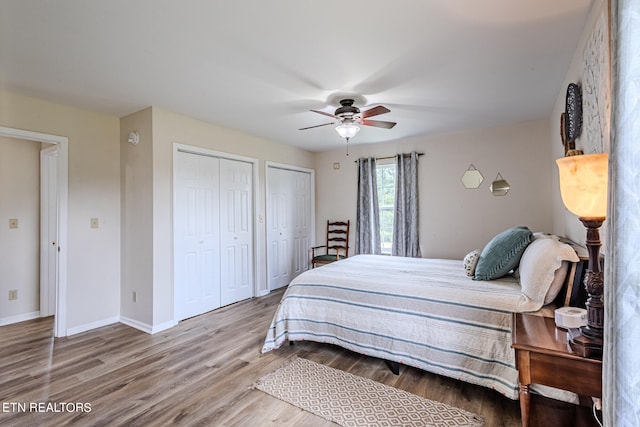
(543, 356)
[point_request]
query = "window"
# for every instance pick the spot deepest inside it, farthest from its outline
(386, 180)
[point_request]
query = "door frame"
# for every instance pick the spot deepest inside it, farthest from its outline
(275, 165)
(191, 149)
(62, 143)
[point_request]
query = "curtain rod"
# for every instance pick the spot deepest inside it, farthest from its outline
(392, 157)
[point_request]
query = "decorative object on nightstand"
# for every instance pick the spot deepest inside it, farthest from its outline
(570, 317)
(583, 186)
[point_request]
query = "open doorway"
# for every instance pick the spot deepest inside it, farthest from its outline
(54, 198)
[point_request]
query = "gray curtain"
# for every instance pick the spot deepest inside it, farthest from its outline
(405, 216)
(368, 217)
(621, 377)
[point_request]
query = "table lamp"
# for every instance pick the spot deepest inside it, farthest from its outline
(583, 186)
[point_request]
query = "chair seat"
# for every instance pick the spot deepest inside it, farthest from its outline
(327, 258)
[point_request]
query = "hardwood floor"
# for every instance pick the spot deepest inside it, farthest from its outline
(197, 373)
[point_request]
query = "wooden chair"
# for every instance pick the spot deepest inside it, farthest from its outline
(337, 246)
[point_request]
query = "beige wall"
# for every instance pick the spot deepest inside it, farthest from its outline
(454, 220)
(168, 128)
(564, 222)
(93, 255)
(20, 247)
(136, 184)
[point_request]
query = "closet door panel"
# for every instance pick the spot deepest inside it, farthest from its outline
(288, 225)
(236, 207)
(196, 235)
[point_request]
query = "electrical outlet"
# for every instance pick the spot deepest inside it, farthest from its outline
(135, 296)
(13, 294)
(13, 222)
(94, 222)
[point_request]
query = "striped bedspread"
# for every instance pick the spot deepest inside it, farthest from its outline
(421, 312)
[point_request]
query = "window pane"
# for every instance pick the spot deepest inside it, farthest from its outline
(386, 179)
(386, 196)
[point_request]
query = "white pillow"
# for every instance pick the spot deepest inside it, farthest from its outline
(556, 284)
(541, 235)
(538, 266)
(470, 261)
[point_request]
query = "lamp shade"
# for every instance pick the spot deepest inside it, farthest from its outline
(583, 184)
(347, 130)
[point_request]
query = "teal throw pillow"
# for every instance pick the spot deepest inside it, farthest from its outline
(502, 254)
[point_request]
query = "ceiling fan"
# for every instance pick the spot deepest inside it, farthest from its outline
(350, 117)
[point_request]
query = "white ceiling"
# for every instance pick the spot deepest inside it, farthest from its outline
(259, 66)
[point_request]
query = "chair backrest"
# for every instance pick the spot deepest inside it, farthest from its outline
(338, 237)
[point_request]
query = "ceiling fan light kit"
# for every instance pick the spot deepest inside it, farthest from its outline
(347, 130)
(350, 117)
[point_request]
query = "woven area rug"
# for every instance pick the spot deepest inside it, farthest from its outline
(351, 400)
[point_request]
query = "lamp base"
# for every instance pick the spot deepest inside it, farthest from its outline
(584, 343)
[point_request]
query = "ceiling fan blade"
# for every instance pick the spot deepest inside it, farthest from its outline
(375, 111)
(377, 123)
(325, 114)
(317, 126)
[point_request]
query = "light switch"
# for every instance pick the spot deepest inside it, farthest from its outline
(13, 222)
(336, 165)
(94, 222)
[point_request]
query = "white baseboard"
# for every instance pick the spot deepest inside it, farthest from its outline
(141, 326)
(264, 292)
(145, 327)
(93, 325)
(19, 318)
(163, 326)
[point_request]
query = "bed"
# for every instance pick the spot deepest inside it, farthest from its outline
(426, 313)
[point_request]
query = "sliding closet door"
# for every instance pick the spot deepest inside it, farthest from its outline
(288, 224)
(236, 230)
(197, 236)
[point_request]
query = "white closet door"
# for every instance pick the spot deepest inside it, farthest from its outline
(280, 229)
(197, 236)
(288, 225)
(302, 231)
(236, 230)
